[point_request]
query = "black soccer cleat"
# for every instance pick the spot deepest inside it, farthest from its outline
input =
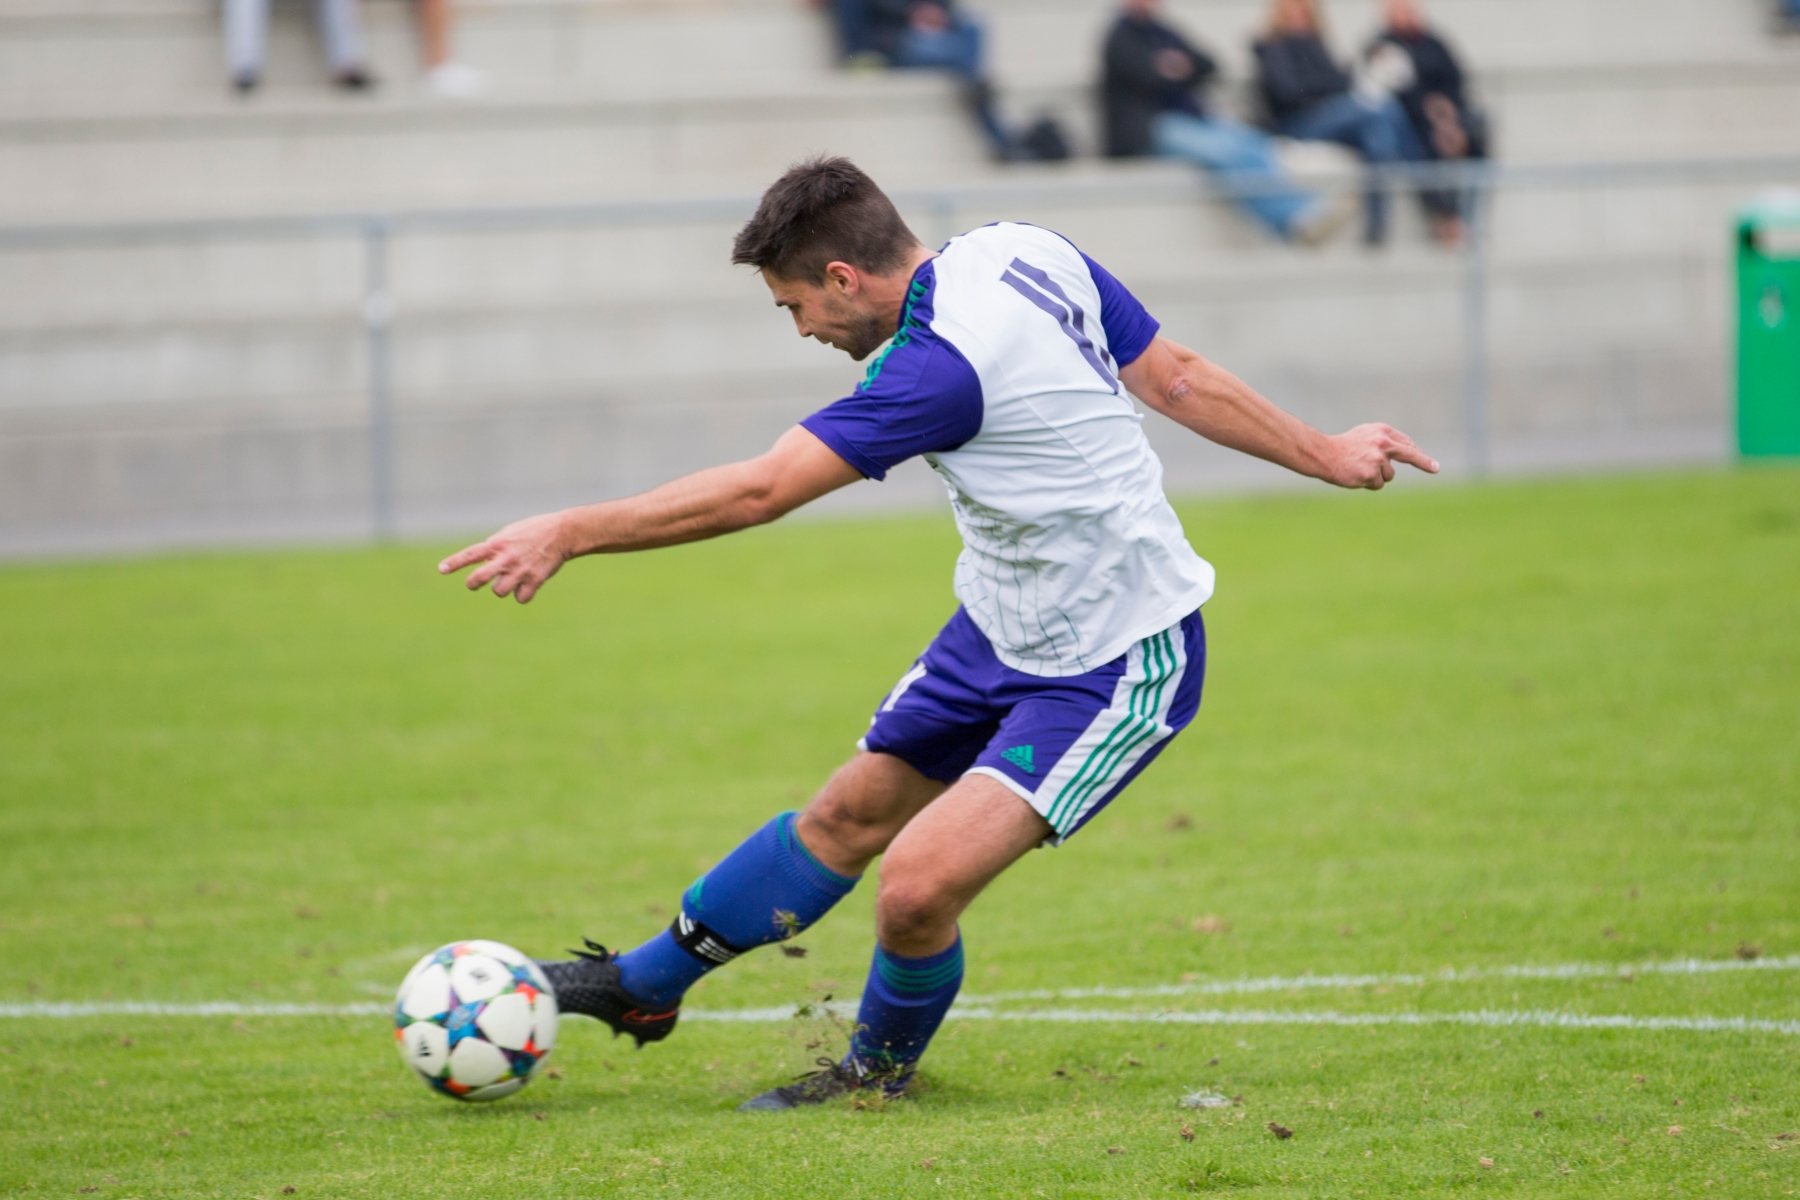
(590, 987)
(832, 1080)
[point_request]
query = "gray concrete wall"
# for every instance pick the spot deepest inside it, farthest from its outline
(197, 392)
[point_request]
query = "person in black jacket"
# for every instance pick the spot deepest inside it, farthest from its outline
(1150, 92)
(1431, 91)
(1310, 97)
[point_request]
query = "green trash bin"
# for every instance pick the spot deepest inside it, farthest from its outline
(1768, 377)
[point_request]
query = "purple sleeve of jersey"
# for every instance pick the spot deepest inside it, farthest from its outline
(921, 396)
(1129, 329)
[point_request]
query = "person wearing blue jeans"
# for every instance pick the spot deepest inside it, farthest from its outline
(1151, 79)
(930, 34)
(1238, 154)
(1377, 130)
(1309, 96)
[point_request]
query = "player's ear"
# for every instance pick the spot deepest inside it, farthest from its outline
(842, 278)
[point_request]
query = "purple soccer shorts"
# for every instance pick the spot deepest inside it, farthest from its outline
(1065, 745)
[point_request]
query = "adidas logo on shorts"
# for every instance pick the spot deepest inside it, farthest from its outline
(1020, 757)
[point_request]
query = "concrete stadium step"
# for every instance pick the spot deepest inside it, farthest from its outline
(200, 474)
(1145, 220)
(1311, 335)
(116, 55)
(328, 155)
(907, 131)
(1057, 39)
(116, 109)
(93, 58)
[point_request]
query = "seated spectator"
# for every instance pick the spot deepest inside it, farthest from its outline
(856, 40)
(443, 74)
(1430, 89)
(926, 34)
(1150, 89)
(340, 27)
(1309, 97)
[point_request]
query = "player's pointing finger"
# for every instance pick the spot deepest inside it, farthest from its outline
(1412, 455)
(464, 557)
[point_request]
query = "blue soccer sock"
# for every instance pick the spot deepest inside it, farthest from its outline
(903, 1004)
(768, 889)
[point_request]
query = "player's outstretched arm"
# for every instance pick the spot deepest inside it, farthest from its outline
(1219, 406)
(521, 558)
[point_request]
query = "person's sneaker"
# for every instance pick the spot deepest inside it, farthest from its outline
(832, 1080)
(589, 986)
(455, 81)
(1328, 215)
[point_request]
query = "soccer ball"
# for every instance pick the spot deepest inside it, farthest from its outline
(476, 1020)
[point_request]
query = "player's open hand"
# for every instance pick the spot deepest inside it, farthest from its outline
(1365, 456)
(517, 561)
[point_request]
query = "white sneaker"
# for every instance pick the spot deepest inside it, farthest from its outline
(1330, 214)
(455, 81)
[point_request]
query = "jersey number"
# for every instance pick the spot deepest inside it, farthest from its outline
(1037, 286)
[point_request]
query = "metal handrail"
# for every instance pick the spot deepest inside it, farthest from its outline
(1038, 188)
(1476, 182)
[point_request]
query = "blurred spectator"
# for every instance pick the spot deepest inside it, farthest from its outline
(856, 36)
(340, 28)
(1310, 97)
(1150, 88)
(1787, 14)
(443, 74)
(1429, 86)
(928, 34)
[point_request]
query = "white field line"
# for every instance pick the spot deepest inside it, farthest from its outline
(152, 1008)
(1282, 983)
(847, 1009)
(1548, 1019)
(973, 1007)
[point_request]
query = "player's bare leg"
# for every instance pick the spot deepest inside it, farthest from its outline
(862, 808)
(934, 868)
(945, 858)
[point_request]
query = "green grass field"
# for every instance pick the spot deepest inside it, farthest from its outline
(1485, 727)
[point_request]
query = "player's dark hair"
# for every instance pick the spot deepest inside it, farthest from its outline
(823, 210)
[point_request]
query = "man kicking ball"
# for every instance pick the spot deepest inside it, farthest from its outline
(1010, 363)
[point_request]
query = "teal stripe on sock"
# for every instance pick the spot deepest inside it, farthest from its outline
(790, 841)
(913, 981)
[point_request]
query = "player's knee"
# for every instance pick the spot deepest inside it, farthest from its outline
(910, 908)
(838, 819)
(858, 807)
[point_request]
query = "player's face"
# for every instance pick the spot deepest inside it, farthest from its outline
(838, 311)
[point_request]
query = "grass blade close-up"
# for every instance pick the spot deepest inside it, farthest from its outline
(1476, 872)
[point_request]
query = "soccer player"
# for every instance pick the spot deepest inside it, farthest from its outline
(1008, 361)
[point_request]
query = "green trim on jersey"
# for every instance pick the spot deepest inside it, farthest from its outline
(902, 336)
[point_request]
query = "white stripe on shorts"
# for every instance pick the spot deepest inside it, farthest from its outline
(1117, 740)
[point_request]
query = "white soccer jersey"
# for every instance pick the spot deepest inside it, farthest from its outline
(1004, 377)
